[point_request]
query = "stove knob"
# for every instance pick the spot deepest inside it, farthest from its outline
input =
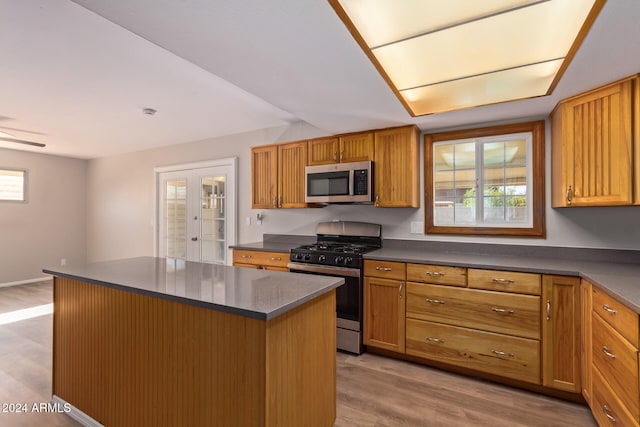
(322, 258)
(307, 257)
(297, 256)
(339, 260)
(348, 260)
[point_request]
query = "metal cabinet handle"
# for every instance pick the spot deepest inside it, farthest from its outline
(245, 256)
(275, 258)
(607, 413)
(434, 301)
(434, 273)
(376, 203)
(383, 268)
(194, 239)
(606, 351)
(280, 202)
(548, 309)
(434, 340)
(502, 281)
(275, 202)
(502, 353)
(608, 309)
(569, 194)
(503, 310)
(400, 290)
(335, 156)
(341, 155)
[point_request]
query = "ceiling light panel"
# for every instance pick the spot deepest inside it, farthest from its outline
(416, 44)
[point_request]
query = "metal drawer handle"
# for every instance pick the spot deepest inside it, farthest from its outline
(607, 413)
(434, 273)
(502, 353)
(435, 340)
(383, 268)
(275, 258)
(434, 301)
(502, 310)
(606, 351)
(245, 256)
(502, 281)
(606, 308)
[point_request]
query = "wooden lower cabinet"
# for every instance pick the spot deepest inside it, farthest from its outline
(586, 342)
(276, 261)
(607, 408)
(384, 313)
(561, 333)
(499, 354)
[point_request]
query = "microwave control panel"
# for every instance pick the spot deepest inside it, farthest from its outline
(360, 182)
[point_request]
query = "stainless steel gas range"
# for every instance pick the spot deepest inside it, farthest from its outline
(338, 251)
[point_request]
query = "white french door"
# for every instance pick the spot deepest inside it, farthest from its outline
(196, 211)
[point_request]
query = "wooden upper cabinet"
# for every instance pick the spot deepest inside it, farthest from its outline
(277, 175)
(264, 177)
(595, 137)
(396, 168)
(292, 159)
(356, 147)
(323, 151)
(561, 333)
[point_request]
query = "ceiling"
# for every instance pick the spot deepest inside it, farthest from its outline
(76, 75)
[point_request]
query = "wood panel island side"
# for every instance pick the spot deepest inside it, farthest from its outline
(160, 342)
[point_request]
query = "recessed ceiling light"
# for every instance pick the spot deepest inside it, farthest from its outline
(447, 55)
(149, 111)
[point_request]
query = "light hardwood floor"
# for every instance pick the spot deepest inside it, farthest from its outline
(371, 390)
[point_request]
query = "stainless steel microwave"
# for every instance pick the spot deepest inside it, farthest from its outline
(339, 183)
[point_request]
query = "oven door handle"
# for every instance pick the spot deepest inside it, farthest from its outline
(325, 269)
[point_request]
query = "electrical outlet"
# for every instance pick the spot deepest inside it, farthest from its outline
(248, 220)
(417, 227)
(63, 261)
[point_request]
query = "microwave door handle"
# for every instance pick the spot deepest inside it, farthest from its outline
(351, 179)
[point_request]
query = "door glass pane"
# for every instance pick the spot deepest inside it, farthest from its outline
(175, 214)
(212, 219)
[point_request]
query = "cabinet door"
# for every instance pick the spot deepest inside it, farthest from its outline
(586, 341)
(292, 159)
(264, 177)
(356, 147)
(396, 168)
(597, 138)
(322, 151)
(561, 333)
(384, 312)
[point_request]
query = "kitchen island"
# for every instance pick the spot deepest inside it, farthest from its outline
(154, 341)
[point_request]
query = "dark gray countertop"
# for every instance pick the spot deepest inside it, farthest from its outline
(259, 294)
(616, 272)
(620, 279)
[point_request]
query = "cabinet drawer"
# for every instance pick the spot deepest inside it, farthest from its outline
(438, 274)
(512, 357)
(384, 269)
(617, 361)
(273, 259)
(500, 312)
(607, 408)
(508, 281)
(623, 319)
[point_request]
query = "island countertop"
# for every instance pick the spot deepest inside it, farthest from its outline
(258, 294)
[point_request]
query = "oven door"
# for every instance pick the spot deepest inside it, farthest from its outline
(348, 302)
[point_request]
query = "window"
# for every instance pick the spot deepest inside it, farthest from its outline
(13, 185)
(487, 181)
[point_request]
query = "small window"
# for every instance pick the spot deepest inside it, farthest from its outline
(487, 181)
(13, 185)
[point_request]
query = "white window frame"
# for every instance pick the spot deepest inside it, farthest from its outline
(25, 185)
(479, 178)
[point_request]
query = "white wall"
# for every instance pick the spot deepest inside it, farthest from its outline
(51, 224)
(120, 209)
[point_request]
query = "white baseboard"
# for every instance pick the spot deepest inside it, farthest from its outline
(76, 413)
(24, 282)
